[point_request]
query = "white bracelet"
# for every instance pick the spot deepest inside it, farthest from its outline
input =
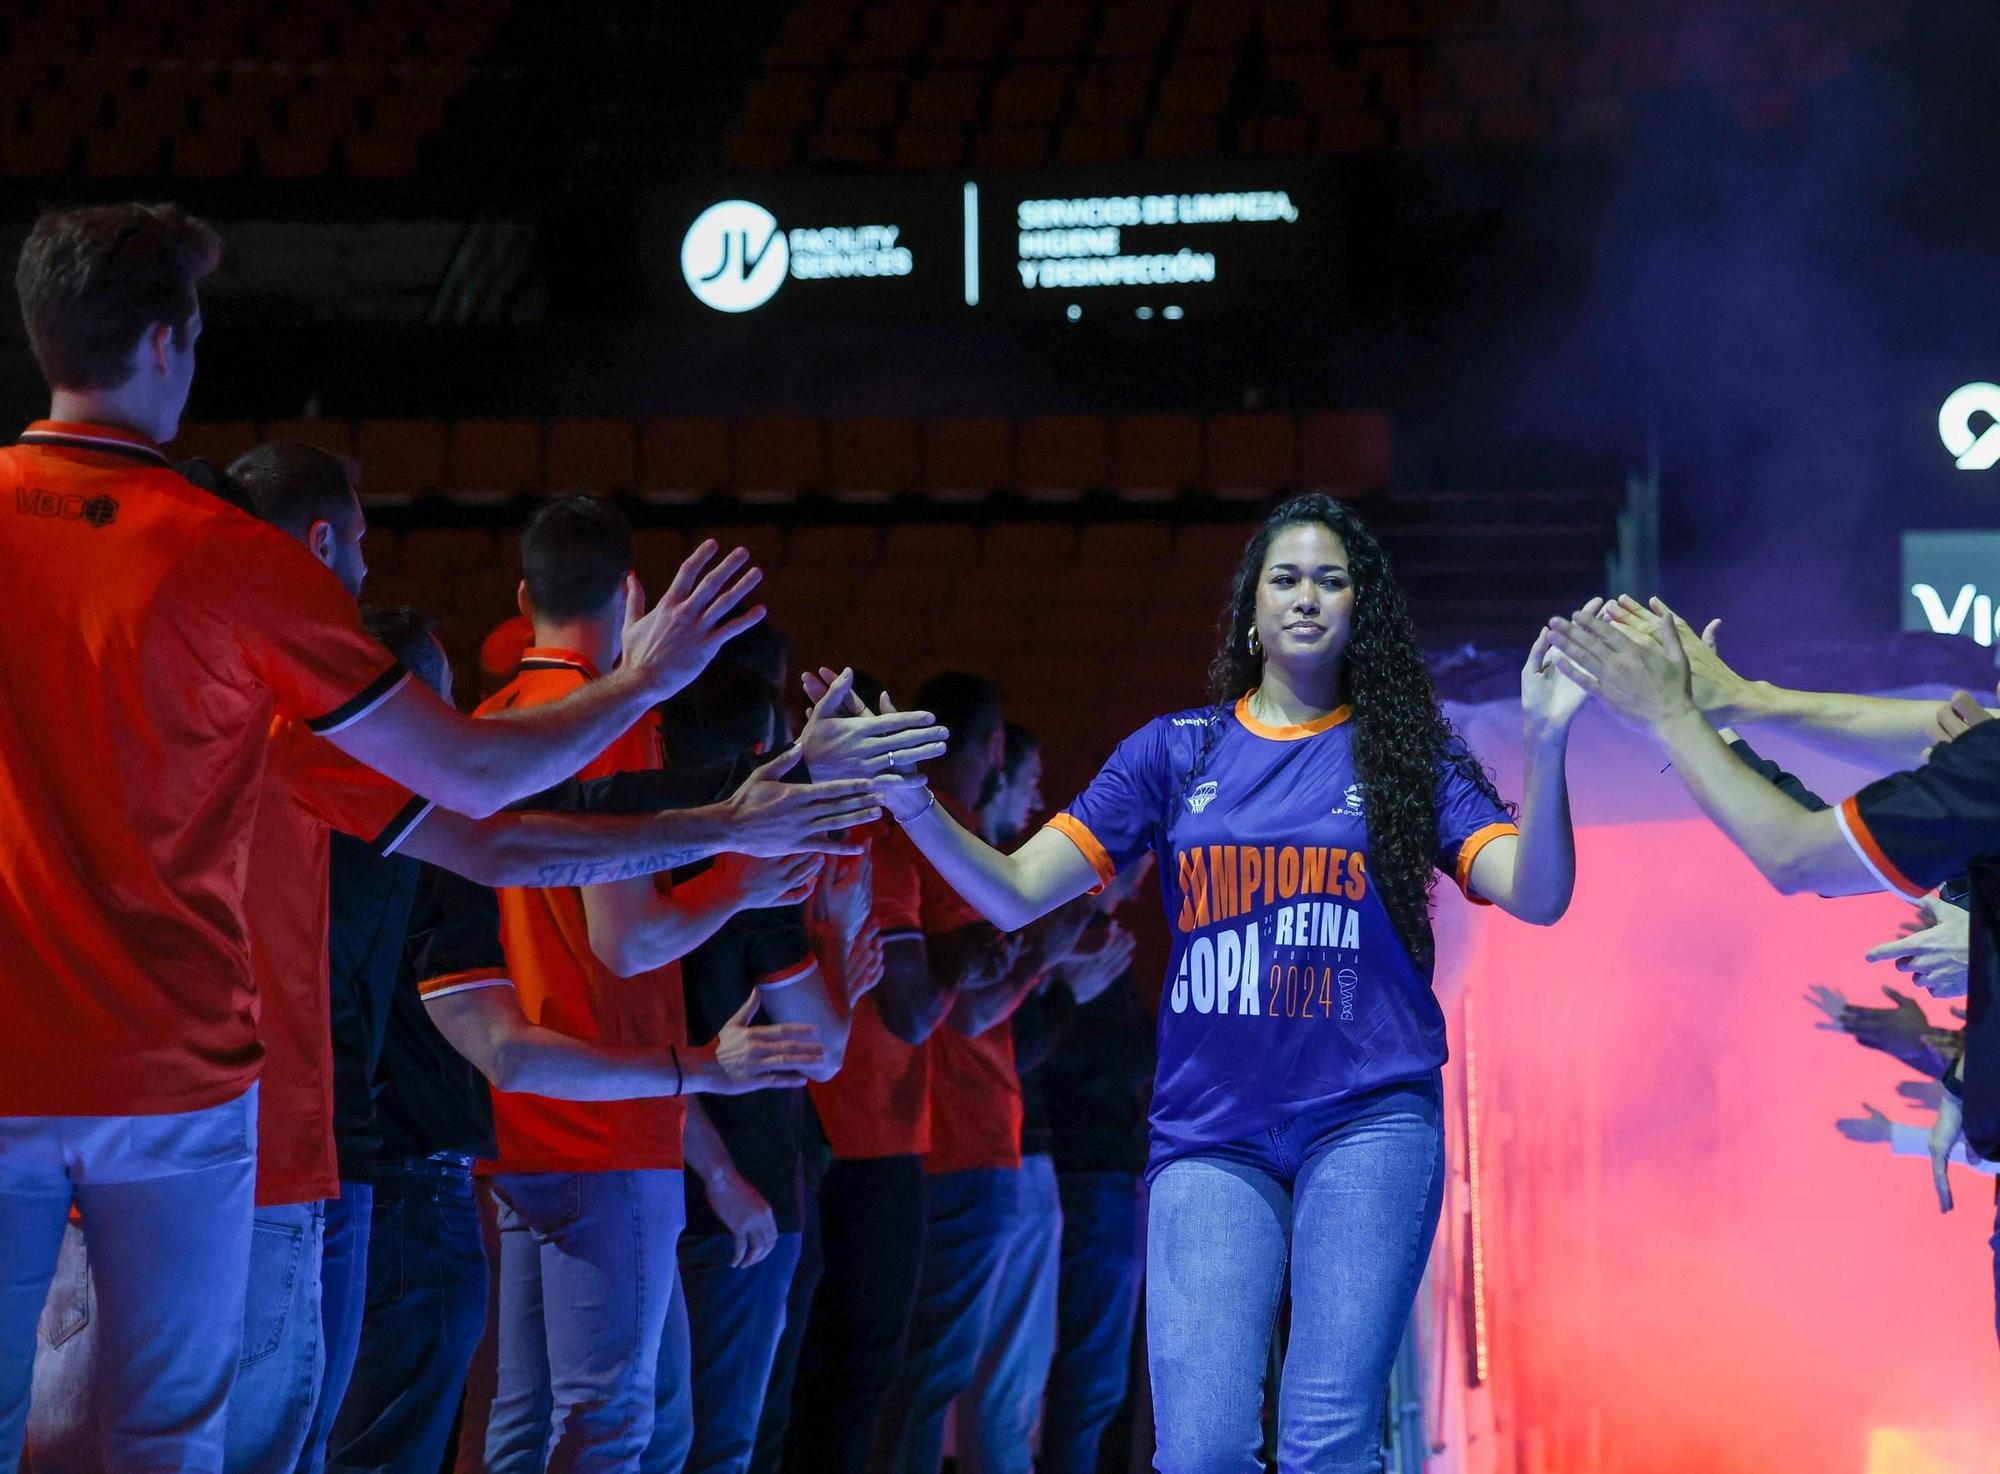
(930, 802)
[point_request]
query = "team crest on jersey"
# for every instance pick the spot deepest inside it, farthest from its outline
(1203, 795)
(1350, 802)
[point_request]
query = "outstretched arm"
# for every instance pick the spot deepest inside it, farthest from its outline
(1532, 876)
(477, 767)
(1877, 732)
(1645, 684)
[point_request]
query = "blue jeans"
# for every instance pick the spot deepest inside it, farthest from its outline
(1350, 1192)
(1097, 1304)
(968, 1224)
(587, 1281)
(343, 1288)
(169, 1200)
(998, 1413)
(425, 1308)
(735, 1317)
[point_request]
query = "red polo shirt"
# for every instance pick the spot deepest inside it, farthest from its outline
(153, 631)
(562, 985)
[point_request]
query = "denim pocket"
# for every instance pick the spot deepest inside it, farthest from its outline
(70, 1304)
(276, 1252)
(189, 1141)
(546, 1202)
(386, 1233)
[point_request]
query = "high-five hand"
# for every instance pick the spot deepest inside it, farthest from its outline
(910, 796)
(1550, 700)
(767, 816)
(671, 645)
(1717, 687)
(843, 742)
(1644, 683)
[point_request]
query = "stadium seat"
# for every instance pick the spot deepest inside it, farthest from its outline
(330, 108)
(416, 107)
(400, 457)
(592, 455)
(1094, 143)
(763, 151)
(1125, 545)
(1197, 87)
(890, 36)
(1224, 25)
(812, 33)
(971, 33)
(1206, 553)
(1030, 95)
(1013, 148)
(1053, 28)
(1133, 28)
(373, 155)
(947, 98)
(968, 455)
(1313, 82)
(765, 542)
(216, 441)
(379, 550)
(781, 100)
(494, 455)
(838, 546)
(1065, 454)
(332, 435)
(779, 455)
(874, 455)
(1044, 548)
(1297, 25)
(1153, 454)
(1181, 138)
(205, 155)
(1251, 452)
(911, 546)
(863, 100)
(861, 148)
(116, 155)
(927, 148)
(300, 35)
(1279, 135)
(680, 458)
(436, 562)
(287, 156)
(657, 554)
(1357, 130)
(1112, 91)
(1344, 451)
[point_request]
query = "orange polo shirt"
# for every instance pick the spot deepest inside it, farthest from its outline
(879, 1105)
(562, 985)
(975, 1090)
(310, 788)
(153, 631)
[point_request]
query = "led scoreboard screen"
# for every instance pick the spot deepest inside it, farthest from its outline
(1167, 243)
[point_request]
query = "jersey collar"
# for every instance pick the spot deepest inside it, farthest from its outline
(1294, 731)
(554, 657)
(109, 439)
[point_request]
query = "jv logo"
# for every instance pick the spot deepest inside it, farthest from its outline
(1200, 799)
(98, 511)
(1974, 452)
(734, 256)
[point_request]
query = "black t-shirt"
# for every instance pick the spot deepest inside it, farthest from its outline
(764, 1129)
(369, 902)
(1916, 830)
(1039, 1025)
(1098, 1080)
(427, 1097)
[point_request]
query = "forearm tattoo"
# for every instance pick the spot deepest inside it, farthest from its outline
(604, 872)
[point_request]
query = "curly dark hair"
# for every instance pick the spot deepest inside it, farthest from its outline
(1402, 738)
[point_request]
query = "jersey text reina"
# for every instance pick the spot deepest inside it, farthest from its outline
(1304, 917)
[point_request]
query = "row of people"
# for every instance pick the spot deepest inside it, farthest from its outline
(163, 821)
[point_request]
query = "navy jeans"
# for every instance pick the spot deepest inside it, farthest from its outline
(735, 1317)
(425, 1308)
(1097, 1302)
(968, 1224)
(1349, 1194)
(343, 1291)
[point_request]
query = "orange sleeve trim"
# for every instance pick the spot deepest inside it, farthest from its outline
(1078, 833)
(445, 984)
(1855, 830)
(784, 977)
(1478, 840)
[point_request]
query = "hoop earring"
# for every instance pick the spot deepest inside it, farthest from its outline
(1255, 645)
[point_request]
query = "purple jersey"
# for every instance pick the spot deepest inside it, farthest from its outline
(1288, 987)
